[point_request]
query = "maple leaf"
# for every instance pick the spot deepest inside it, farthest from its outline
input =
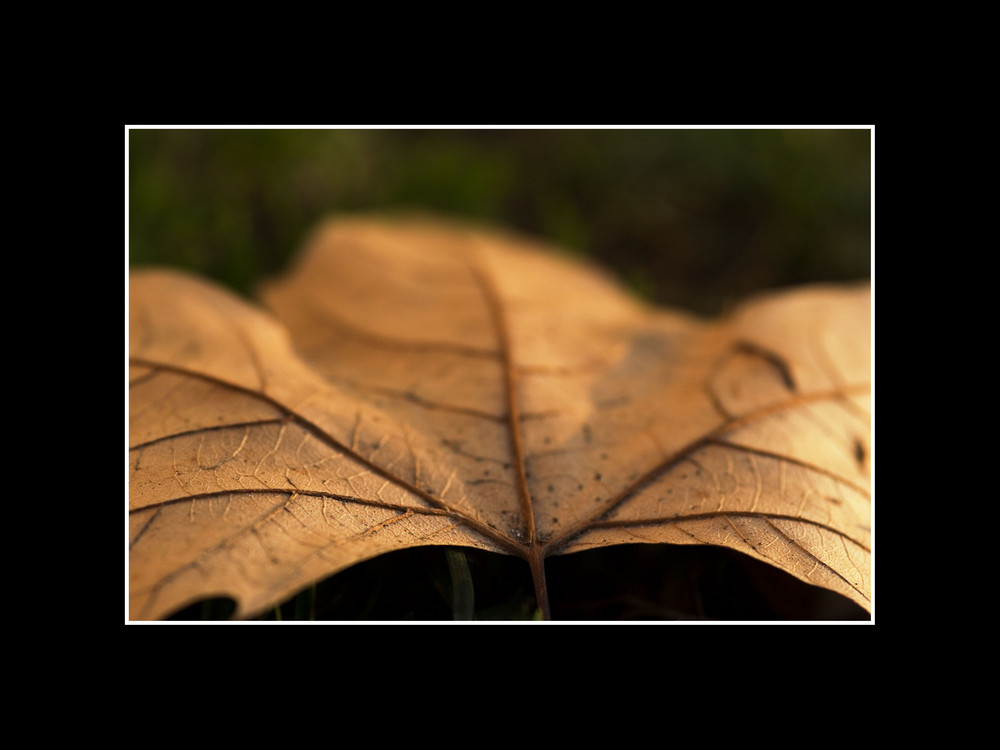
(417, 382)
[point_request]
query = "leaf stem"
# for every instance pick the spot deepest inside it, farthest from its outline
(537, 562)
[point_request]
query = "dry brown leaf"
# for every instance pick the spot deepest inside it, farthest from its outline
(420, 383)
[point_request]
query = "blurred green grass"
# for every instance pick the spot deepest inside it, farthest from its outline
(692, 218)
(695, 218)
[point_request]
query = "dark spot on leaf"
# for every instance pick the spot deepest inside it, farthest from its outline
(859, 452)
(597, 476)
(551, 488)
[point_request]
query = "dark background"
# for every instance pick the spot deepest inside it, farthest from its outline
(695, 218)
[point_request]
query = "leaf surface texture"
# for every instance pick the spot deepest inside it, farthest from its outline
(413, 382)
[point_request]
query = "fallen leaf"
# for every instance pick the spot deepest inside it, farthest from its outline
(420, 383)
